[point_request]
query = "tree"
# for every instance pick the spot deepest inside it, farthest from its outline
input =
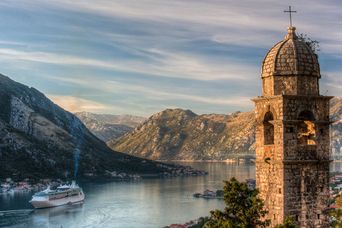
(313, 44)
(287, 224)
(336, 216)
(243, 208)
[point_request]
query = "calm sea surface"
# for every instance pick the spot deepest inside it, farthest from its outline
(147, 203)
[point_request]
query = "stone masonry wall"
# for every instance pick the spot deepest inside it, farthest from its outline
(293, 179)
(307, 193)
(269, 166)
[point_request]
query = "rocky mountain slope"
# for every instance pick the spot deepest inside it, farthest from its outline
(39, 139)
(106, 126)
(176, 134)
(182, 135)
(336, 129)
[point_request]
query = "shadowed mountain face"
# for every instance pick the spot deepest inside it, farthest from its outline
(176, 134)
(107, 127)
(39, 139)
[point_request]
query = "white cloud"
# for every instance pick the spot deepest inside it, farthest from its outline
(214, 13)
(225, 20)
(176, 65)
(155, 94)
(150, 93)
(76, 104)
(332, 84)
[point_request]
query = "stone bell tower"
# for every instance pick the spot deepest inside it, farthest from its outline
(292, 135)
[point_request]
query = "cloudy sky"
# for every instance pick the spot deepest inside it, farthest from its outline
(142, 56)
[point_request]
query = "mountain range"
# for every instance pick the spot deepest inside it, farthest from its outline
(107, 127)
(39, 139)
(176, 134)
(336, 128)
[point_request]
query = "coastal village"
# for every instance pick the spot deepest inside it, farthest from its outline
(9, 186)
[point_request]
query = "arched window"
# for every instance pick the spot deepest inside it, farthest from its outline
(268, 129)
(306, 115)
(306, 128)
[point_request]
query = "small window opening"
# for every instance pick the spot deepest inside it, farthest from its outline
(306, 128)
(268, 129)
(289, 130)
(297, 218)
(279, 190)
(318, 216)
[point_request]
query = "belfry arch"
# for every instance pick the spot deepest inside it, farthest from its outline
(268, 128)
(306, 128)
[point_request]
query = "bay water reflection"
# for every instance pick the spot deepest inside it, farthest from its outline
(146, 203)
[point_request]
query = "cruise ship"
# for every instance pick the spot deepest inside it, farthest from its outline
(65, 194)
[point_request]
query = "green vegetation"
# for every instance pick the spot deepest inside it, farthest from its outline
(220, 193)
(287, 224)
(243, 208)
(336, 214)
(313, 44)
(336, 218)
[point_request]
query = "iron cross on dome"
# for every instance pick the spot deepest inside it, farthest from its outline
(290, 13)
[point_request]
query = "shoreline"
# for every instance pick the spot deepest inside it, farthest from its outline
(10, 185)
(223, 161)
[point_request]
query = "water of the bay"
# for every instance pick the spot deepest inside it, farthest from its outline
(146, 203)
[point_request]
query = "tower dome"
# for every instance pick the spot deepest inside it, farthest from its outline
(290, 67)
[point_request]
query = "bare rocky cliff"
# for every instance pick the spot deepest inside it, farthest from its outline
(176, 134)
(336, 128)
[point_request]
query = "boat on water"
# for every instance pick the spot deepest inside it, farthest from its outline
(63, 195)
(209, 194)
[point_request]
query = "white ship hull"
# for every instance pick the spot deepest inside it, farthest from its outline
(44, 203)
(65, 194)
